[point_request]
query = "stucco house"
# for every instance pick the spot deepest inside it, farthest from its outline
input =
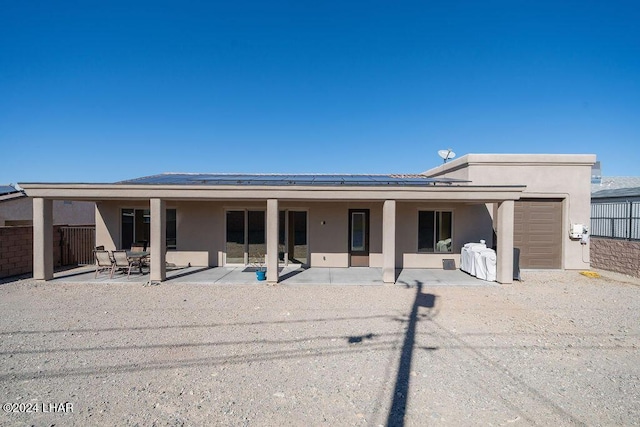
(393, 221)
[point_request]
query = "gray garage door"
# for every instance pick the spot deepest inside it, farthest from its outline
(538, 232)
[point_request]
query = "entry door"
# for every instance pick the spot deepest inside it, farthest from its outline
(359, 237)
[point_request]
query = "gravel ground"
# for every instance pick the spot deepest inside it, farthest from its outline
(558, 348)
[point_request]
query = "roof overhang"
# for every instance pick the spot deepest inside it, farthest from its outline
(97, 192)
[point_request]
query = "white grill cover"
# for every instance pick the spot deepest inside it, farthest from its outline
(478, 260)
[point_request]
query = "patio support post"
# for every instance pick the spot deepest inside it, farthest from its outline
(158, 240)
(504, 270)
(42, 239)
(272, 240)
(389, 241)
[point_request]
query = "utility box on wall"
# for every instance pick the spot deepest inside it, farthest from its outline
(578, 231)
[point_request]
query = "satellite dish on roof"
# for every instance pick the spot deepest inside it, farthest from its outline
(446, 154)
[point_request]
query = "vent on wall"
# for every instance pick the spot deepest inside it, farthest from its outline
(448, 264)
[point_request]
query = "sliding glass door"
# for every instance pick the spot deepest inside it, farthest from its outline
(246, 240)
(256, 236)
(292, 237)
(246, 237)
(235, 237)
(297, 231)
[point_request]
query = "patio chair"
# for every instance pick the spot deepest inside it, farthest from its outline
(122, 263)
(103, 262)
(138, 247)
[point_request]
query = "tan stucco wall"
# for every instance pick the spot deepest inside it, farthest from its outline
(200, 239)
(108, 221)
(64, 213)
(201, 230)
(563, 176)
(471, 223)
(329, 242)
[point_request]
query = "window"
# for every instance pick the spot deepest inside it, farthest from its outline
(358, 231)
(434, 231)
(136, 227)
(171, 229)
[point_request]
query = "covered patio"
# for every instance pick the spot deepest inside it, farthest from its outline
(386, 223)
(357, 276)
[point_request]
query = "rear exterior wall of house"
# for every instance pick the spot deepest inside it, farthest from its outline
(201, 230)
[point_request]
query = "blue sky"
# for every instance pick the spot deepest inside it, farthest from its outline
(96, 91)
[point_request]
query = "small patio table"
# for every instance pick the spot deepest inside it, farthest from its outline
(139, 257)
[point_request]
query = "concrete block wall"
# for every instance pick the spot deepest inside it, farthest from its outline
(621, 256)
(16, 250)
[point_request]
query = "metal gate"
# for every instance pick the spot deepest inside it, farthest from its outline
(77, 245)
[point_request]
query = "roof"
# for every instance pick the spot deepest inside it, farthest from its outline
(617, 193)
(9, 192)
(8, 189)
(616, 182)
(182, 186)
(290, 179)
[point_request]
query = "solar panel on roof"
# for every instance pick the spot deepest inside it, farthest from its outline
(7, 189)
(292, 179)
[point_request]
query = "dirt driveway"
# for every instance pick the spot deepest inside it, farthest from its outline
(557, 349)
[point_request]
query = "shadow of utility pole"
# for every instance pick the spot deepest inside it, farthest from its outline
(401, 390)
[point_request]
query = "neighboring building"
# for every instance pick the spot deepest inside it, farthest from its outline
(616, 213)
(390, 221)
(622, 194)
(615, 226)
(615, 183)
(596, 173)
(16, 209)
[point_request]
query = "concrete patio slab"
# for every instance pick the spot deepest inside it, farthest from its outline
(434, 277)
(293, 276)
